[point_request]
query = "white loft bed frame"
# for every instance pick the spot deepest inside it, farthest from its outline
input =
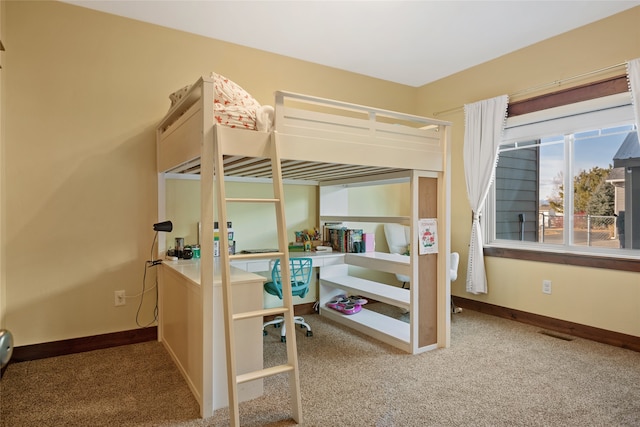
(330, 143)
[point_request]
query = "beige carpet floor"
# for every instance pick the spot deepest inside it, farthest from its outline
(496, 373)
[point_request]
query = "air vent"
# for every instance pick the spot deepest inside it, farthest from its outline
(556, 335)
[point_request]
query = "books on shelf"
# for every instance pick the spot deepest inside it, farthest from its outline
(343, 239)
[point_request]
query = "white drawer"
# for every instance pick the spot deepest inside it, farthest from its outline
(242, 265)
(258, 266)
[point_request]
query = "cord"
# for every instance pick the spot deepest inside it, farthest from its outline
(147, 265)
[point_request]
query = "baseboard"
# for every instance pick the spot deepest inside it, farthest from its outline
(98, 342)
(298, 310)
(306, 308)
(79, 345)
(604, 336)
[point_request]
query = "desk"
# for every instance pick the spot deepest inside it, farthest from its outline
(318, 259)
(180, 323)
(263, 267)
(335, 280)
(180, 326)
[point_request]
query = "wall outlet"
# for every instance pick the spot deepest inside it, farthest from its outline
(546, 286)
(119, 298)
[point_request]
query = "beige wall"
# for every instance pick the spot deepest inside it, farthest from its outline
(2, 181)
(84, 91)
(255, 227)
(595, 297)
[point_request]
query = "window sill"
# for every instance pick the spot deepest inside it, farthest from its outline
(580, 260)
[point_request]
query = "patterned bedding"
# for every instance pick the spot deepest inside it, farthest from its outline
(233, 106)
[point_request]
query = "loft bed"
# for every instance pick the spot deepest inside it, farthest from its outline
(319, 139)
(329, 143)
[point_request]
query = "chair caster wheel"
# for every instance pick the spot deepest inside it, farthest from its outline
(309, 333)
(283, 339)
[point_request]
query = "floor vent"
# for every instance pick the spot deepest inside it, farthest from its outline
(556, 335)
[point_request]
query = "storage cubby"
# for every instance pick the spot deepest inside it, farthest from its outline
(424, 193)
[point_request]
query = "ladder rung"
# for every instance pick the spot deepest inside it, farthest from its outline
(260, 313)
(251, 200)
(257, 255)
(267, 372)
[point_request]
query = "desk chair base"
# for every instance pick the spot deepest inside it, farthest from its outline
(279, 320)
(454, 308)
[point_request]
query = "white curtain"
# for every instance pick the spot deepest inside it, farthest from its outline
(633, 75)
(484, 124)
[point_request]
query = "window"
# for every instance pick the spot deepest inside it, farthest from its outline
(567, 180)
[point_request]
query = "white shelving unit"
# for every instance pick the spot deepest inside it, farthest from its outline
(425, 296)
(336, 281)
(380, 292)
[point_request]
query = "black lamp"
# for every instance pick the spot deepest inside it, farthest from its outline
(163, 226)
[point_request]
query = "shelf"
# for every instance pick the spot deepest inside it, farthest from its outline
(381, 261)
(387, 294)
(384, 328)
(357, 218)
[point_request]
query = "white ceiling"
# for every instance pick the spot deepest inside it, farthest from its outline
(408, 42)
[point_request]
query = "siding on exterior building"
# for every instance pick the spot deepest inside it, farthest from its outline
(517, 193)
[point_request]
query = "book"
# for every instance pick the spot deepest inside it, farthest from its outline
(354, 241)
(343, 239)
(337, 238)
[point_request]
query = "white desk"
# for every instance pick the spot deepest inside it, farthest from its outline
(335, 280)
(180, 326)
(180, 312)
(264, 266)
(318, 259)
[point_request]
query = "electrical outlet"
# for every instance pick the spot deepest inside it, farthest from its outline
(119, 298)
(546, 286)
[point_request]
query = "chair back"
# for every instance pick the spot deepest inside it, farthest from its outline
(455, 261)
(397, 236)
(300, 270)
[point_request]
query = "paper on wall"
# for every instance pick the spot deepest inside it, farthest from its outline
(427, 236)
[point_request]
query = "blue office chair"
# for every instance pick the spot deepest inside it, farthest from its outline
(300, 277)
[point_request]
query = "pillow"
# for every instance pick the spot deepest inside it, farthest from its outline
(228, 93)
(264, 118)
(235, 116)
(233, 106)
(177, 95)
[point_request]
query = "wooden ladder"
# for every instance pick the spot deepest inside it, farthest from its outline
(286, 310)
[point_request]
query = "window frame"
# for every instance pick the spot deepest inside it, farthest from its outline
(559, 255)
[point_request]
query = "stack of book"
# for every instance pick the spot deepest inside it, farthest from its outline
(343, 239)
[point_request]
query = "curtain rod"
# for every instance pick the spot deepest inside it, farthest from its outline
(543, 86)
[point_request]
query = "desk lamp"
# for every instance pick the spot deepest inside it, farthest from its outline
(163, 226)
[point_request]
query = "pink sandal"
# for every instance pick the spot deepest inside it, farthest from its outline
(337, 302)
(344, 305)
(356, 299)
(351, 308)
